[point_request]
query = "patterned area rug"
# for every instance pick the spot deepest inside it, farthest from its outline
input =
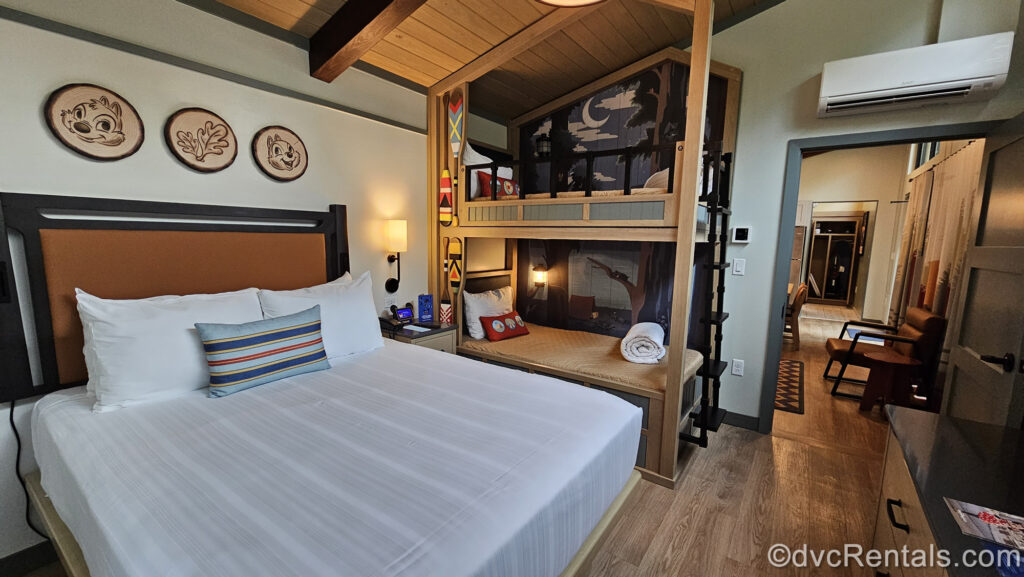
(789, 394)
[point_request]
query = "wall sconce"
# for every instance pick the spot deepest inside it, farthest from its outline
(540, 276)
(396, 241)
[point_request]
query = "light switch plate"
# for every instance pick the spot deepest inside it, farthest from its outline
(739, 266)
(737, 367)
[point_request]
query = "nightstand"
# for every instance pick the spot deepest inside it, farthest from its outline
(440, 337)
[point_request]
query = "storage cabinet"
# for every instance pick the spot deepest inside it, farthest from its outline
(441, 339)
(900, 519)
(834, 247)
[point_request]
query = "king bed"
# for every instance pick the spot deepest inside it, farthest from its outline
(396, 461)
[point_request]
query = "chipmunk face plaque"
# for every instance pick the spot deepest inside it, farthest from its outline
(94, 122)
(200, 139)
(279, 153)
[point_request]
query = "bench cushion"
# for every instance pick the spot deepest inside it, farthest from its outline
(582, 353)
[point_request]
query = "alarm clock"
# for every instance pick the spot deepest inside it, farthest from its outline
(402, 315)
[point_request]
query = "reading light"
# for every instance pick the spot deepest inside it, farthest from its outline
(396, 241)
(540, 276)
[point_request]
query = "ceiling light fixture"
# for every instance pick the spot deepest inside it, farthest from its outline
(570, 3)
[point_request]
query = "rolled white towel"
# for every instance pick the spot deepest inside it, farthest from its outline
(644, 343)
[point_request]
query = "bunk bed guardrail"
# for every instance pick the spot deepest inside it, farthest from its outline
(628, 154)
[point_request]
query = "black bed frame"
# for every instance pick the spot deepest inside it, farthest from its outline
(27, 214)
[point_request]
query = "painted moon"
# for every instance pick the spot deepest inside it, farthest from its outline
(279, 153)
(94, 122)
(588, 120)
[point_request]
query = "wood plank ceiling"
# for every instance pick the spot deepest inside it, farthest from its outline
(444, 35)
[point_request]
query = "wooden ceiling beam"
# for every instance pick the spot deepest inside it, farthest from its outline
(353, 30)
(685, 6)
(514, 45)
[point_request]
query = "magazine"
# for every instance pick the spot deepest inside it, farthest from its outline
(988, 524)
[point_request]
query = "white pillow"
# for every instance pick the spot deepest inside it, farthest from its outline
(348, 316)
(658, 180)
(148, 349)
(471, 157)
(486, 304)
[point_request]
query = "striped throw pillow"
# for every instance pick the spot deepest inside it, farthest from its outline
(247, 355)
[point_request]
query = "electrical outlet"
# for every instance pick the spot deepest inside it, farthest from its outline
(739, 266)
(737, 367)
(389, 300)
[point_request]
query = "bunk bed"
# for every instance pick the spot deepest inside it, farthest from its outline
(679, 395)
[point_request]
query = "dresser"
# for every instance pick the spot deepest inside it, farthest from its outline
(929, 457)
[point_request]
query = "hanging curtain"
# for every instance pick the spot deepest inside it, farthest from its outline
(935, 234)
(956, 182)
(908, 267)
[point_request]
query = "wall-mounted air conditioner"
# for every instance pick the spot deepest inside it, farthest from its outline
(950, 72)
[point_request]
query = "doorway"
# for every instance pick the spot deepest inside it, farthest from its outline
(843, 240)
(781, 291)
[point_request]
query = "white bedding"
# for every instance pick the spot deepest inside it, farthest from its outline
(399, 461)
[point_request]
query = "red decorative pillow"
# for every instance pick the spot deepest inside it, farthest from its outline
(504, 326)
(507, 188)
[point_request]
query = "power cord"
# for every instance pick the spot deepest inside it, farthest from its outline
(17, 473)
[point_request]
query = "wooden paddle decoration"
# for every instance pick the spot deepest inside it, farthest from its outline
(444, 211)
(456, 126)
(455, 267)
(444, 312)
(455, 121)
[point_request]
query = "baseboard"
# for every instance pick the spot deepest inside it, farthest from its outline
(27, 560)
(742, 421)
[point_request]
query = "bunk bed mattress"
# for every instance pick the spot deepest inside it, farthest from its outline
(582, 353)
(400, 461)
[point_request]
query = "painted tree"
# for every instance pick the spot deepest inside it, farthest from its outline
(637, 291)
(653, 97)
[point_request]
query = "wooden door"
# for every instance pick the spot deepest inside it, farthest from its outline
(985, 377)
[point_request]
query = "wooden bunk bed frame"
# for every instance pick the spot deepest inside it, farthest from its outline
(677, 221)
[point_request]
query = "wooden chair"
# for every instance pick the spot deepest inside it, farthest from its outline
(920, 338)
(792, 325)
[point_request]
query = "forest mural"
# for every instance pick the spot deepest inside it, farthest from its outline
(645, 110)
(602, 287)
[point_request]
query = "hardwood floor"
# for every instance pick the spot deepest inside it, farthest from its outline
(815, 480)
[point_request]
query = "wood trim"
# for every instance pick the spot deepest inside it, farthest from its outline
(516, 44)
(434, 104)
(580, 564)
(352, 32)
(684, 6)
(654, 234)
(68, 551)
(732, 114)
(558, 372)
(71, 558)
(671, 53)
(686, 183)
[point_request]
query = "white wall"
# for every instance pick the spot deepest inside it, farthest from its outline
(967, 18)
(178, 29)
(781, 52)
(376, 169)
(487, 131)
(862, 174)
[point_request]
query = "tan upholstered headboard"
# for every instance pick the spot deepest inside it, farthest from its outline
(138, 250)
(131, 264)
